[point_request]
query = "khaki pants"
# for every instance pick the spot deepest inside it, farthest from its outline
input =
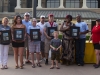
(47, 45)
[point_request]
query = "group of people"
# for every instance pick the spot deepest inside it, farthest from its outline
(71, 47)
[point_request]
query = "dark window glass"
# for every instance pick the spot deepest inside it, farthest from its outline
(52, 3)
(72, 3)
(92, 3)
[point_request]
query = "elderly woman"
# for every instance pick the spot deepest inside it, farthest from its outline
(67, 41)
(18, 46)
(34, 46)
(4, 48)
(96, 42)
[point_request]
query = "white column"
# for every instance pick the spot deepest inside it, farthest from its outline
(39, 4)
(18, 4)
(84, 4)
(61, 4)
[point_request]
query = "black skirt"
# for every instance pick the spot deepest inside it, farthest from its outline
(18, 44)
(97, 46)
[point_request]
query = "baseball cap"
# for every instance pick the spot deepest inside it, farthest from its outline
(98, 20)
(78, 15)
(27, 14)
(50, 15)
(42, 16)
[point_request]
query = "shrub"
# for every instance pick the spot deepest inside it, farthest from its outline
(60, 36)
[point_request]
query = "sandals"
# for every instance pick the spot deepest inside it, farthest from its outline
(28, 62)
(33, 66)
(5, 67)
(57, 68)
(21, 67)
(16, 67)
(38, 64)
(51, 67)
(2, 67)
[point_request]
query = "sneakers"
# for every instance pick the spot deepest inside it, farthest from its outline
(43, 59)
(27, 62)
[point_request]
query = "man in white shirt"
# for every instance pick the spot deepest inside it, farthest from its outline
(41, 25)
(26, 21)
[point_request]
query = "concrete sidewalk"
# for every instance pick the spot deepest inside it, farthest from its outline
(88, 69)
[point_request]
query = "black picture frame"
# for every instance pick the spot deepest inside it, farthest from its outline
(35, 35)
(74, 31)
(5, 36)
(18, 34)
(51, 30)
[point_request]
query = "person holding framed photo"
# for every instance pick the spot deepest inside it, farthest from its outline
(34, 42)
(4, 47)
(51, 24)
(80, 42)
(26, 21)
(67, 56)
(18, 45)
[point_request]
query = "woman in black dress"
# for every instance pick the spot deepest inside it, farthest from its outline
(18, 46)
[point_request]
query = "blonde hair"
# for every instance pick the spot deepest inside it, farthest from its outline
(4, 19)
(55, 32)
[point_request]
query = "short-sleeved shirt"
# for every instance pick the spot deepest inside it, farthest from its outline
(96, 34)
(47, 24)
(32, 27)
(26, 23)
(55, 43)
(83, 27)
(2, 28)
(42, 28)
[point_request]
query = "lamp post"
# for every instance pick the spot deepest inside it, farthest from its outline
(34, 8)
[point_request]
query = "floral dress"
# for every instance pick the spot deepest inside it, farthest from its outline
(68, 45)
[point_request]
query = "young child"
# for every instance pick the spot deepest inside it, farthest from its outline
(55, 46)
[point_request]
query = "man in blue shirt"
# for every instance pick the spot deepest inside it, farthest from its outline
(26, 21)
(80, 42)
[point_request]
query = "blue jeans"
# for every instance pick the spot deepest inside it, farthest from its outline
(79, 50)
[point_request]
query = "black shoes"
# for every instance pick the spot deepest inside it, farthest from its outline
(96, 65)
(46, 62)
(80, 64)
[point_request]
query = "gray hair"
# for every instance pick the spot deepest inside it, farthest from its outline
(34, 19)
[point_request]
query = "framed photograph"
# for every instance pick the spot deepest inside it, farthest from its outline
(35, 34)
(51, 30)
(19, 33)
(5, 36)
(74, 31)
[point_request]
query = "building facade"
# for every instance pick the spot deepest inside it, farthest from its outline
(89, 9)
(10, 5)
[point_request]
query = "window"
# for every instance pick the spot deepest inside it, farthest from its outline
(52, 3)
(72, 4)
(92, 3)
